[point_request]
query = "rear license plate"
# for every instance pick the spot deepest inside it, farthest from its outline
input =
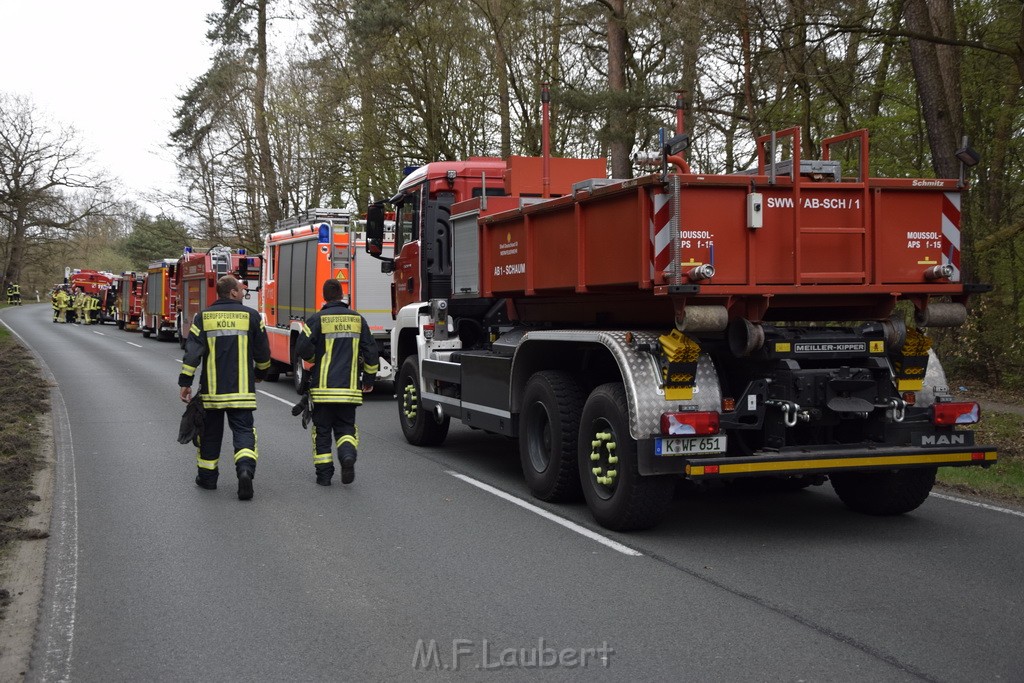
(694, 445)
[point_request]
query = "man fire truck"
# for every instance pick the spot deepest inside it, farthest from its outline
(304, 252)
(632, 333)
(159, 300)
(198, 273)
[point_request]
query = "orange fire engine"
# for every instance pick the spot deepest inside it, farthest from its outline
(304, 252)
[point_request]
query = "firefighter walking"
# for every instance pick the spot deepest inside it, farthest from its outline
(14, 294)
(230, 342)
(338, 342)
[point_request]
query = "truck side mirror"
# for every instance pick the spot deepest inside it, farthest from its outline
(375, 229)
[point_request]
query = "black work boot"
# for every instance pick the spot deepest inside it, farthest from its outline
(324, 474)
(348, 468)
(206, 480)
(246, 471)
(245, 485)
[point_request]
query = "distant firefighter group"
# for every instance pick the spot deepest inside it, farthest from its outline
(13, 294)
(74, 305)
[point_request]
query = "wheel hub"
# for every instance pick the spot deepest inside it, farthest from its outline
(410, 405)
(603, 461)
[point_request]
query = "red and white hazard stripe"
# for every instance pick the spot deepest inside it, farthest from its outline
(951, 232)
(661, 241)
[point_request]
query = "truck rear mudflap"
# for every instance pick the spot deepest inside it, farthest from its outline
(802, 461)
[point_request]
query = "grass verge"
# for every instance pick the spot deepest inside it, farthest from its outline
(1004, 480)
(24, 396)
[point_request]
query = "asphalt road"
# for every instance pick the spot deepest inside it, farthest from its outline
(413, 570)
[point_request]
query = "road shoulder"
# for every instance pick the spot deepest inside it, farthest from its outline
(25, 568)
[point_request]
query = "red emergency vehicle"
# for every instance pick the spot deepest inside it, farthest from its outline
(128, 304)
(159, 307)
(198, 273)
(304, 252)
(99, 284)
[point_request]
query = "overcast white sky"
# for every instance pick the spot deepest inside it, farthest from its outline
(110, 68)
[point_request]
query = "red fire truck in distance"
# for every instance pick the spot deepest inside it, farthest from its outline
(99, 284)
(160, 293)
(304, 252)
(128, 306)
(198, 273)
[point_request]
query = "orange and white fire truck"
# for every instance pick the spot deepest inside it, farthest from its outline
(128, 308)
(198, 273)
(299, 257)
(159, 303)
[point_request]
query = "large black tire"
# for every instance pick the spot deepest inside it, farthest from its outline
(120, 324)
(884, 493)
(618, 497)
(297, 372)
(418, 425)
(146, 333)
(548, 430)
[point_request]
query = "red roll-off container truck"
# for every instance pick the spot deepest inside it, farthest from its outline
(684, 325)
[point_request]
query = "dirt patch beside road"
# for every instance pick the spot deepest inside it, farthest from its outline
(26, 436)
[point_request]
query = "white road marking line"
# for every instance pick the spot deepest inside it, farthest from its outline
(571, 526)
(99, 333)
(134, 344)
(974, 503)
(276, 398)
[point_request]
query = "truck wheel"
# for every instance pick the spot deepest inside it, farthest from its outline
(618, 497)
(884, 493)
(548, 429)
(146, 333)
(418, 425)
(297, 372)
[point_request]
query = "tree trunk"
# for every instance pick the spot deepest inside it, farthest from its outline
(267, 173)
(497, 16)
(618, 143)
(941, 103)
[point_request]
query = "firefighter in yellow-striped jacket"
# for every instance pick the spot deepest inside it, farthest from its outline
(337, 341)
(230, 342)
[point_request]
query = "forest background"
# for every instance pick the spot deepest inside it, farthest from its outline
(372, 86)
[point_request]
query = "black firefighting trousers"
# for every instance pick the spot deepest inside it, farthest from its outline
(243, 434)
(333, 424)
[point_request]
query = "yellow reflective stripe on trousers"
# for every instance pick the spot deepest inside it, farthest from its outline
(348, 438)
(206, 464)
(245, 453)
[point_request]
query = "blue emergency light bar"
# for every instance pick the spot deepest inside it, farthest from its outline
(324, 233)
